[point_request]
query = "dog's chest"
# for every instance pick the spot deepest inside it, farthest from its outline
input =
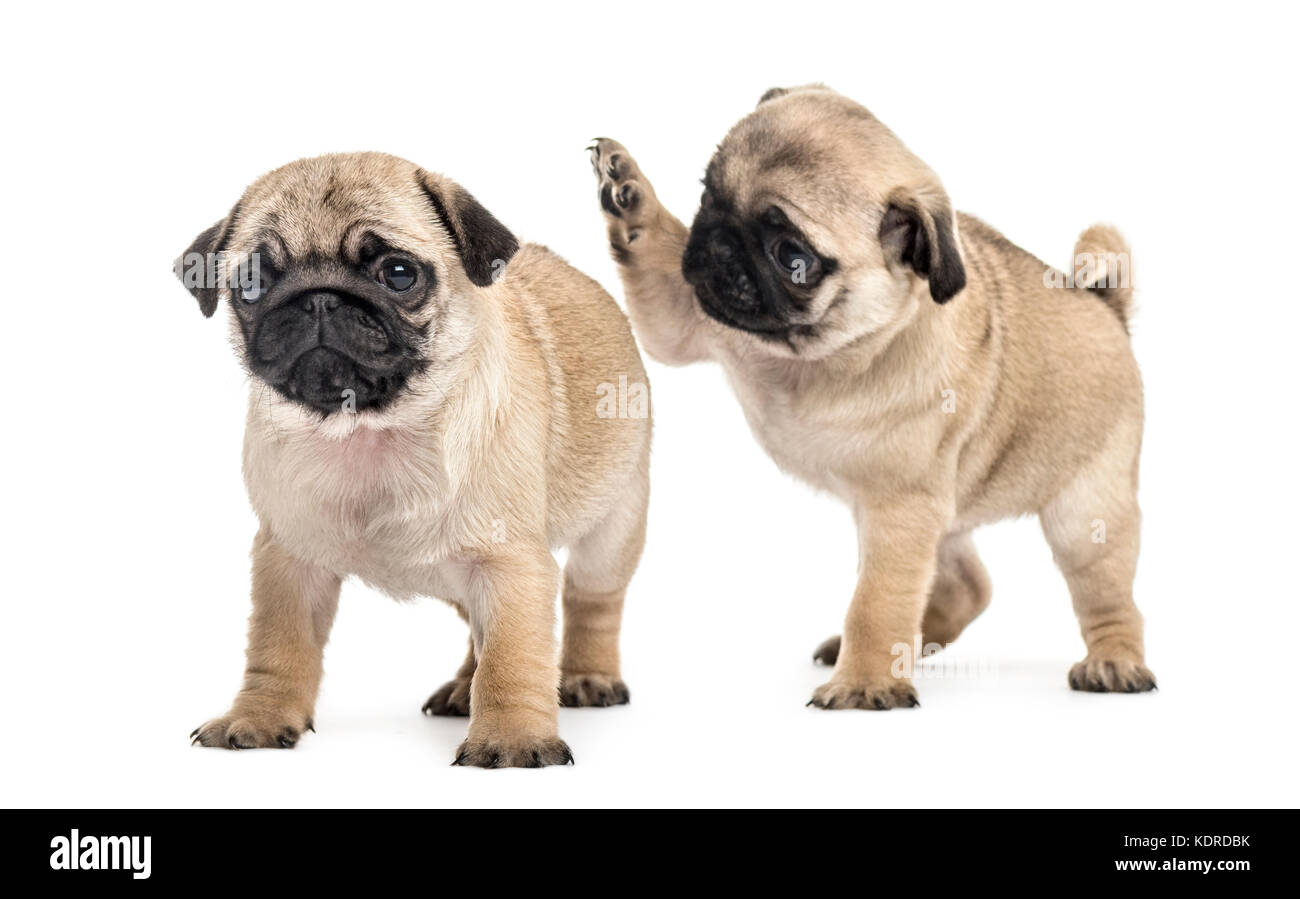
(365, 505)
(810, 435)
(838, 431)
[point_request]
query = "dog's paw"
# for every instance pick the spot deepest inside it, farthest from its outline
(626, 196)
(524, 753)
(885, 693)
(269, 729)
(828, 652)
(452, 698)
(1100, 674)
(598, 690)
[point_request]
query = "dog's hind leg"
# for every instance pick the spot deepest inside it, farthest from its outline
(600, 565)
(1092, 526)
(452, 698)
(961, 590)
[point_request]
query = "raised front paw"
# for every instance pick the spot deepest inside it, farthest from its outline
(625, 194)
(598, 690)
(452, 698)
(269, 728)
(1101, 674)
(877, 695)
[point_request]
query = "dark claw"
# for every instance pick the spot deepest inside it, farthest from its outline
(194, 733)
(311, 725)
(568, 757)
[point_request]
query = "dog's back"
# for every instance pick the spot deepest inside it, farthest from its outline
(1067, 376)
(600, 392)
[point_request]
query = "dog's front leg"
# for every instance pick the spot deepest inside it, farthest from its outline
(514, 698)
(898, 539)
(293, 609)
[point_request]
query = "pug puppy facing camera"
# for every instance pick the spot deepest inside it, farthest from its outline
(908, 359)
(423, 414)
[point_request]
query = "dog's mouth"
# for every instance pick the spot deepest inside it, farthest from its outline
(765, 328)
(328, 381)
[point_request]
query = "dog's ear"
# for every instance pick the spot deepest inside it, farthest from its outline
(773, 92)
(922, 235)
(483, 243)
(199, 267)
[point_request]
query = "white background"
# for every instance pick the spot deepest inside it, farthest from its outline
(126, 529)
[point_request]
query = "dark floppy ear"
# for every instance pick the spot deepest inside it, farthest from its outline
(198, 267)
(923, 238)
(483, 243)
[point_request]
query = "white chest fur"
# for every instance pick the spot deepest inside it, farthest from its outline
(837, 427)
(374, 503)
(811, 440)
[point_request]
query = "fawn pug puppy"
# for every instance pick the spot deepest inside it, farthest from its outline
(908, 359)
(424, 415)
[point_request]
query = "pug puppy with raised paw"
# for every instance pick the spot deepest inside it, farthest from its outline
(908, 359)
(424, 414)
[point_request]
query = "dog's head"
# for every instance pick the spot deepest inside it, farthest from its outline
(348, 277)
(817, 227)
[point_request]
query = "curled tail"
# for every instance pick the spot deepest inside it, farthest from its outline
(1103, 265)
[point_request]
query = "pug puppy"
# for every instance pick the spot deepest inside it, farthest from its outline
(431, 411)
(908, 359)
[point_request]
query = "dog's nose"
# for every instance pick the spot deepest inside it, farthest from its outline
(320, 301)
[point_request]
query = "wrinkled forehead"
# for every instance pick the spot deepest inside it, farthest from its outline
(812, 152)
(330, 206)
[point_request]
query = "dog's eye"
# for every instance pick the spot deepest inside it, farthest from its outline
(251, 293)
(397, 275)
(793, 256)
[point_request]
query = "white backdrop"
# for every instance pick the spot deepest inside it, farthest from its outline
(126, 531)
